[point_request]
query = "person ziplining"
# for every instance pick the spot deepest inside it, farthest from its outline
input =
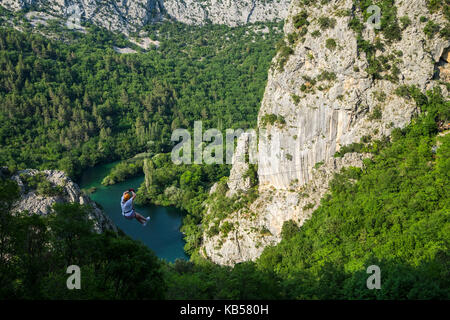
(127, 204)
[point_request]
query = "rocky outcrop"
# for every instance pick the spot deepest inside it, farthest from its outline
(125, 16)
(319, 97)
(229, 12)
(35, 203)
(261, 223)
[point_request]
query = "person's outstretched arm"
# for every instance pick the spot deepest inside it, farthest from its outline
(134, 195)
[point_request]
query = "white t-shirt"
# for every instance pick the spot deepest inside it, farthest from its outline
(127, 207)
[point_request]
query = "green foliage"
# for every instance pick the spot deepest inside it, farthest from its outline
(284, 51)
(376, 114)
(315, 34)
(326, 76)
(71, 105)
(289, 229)
(391, 32)
(220, 207)
(252, 173)
(438, 109)
(41, 248)
(431, 29)
(292, 37)
(300, 20)
(296, 99)
(380, 96)
(205, 280)
(405, 21)
(330, 44)
(225, 228)
(272, 119)
(356, 25)
(366, 145)
(123, 171)
(40, 184)
(445, 31)
(393, 212)
(318, 165)
(326, 23)
(183, 186)
(389, 22)
(439, 5)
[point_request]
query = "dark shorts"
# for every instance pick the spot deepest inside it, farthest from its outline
(131, 216)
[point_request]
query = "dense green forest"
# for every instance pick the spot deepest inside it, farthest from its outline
(75, 103)
(394, 213)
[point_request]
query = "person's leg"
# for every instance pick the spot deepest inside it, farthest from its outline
(140, 218)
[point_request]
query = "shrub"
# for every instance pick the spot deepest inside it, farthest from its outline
(356, 25)
(292, 37)
(318, 165)
(331, 44)
(316, 34)
(326, 23)
(326, 75)
(265, 232)
(289, 229)
(296, 99)
(376, 114)
(272, 119)
(445, 32)
(213, 231)
(300, 20)
(380, 96)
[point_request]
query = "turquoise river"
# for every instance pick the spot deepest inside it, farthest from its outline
(162, 234)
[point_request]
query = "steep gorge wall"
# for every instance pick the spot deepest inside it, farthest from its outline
(320, 97)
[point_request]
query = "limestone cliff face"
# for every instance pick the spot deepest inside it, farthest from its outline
(125, 16)
(35, 203)
(320, 99)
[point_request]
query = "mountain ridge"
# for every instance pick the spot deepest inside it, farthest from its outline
(129, 16)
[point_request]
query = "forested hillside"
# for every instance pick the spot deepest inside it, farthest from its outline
(73, 105)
